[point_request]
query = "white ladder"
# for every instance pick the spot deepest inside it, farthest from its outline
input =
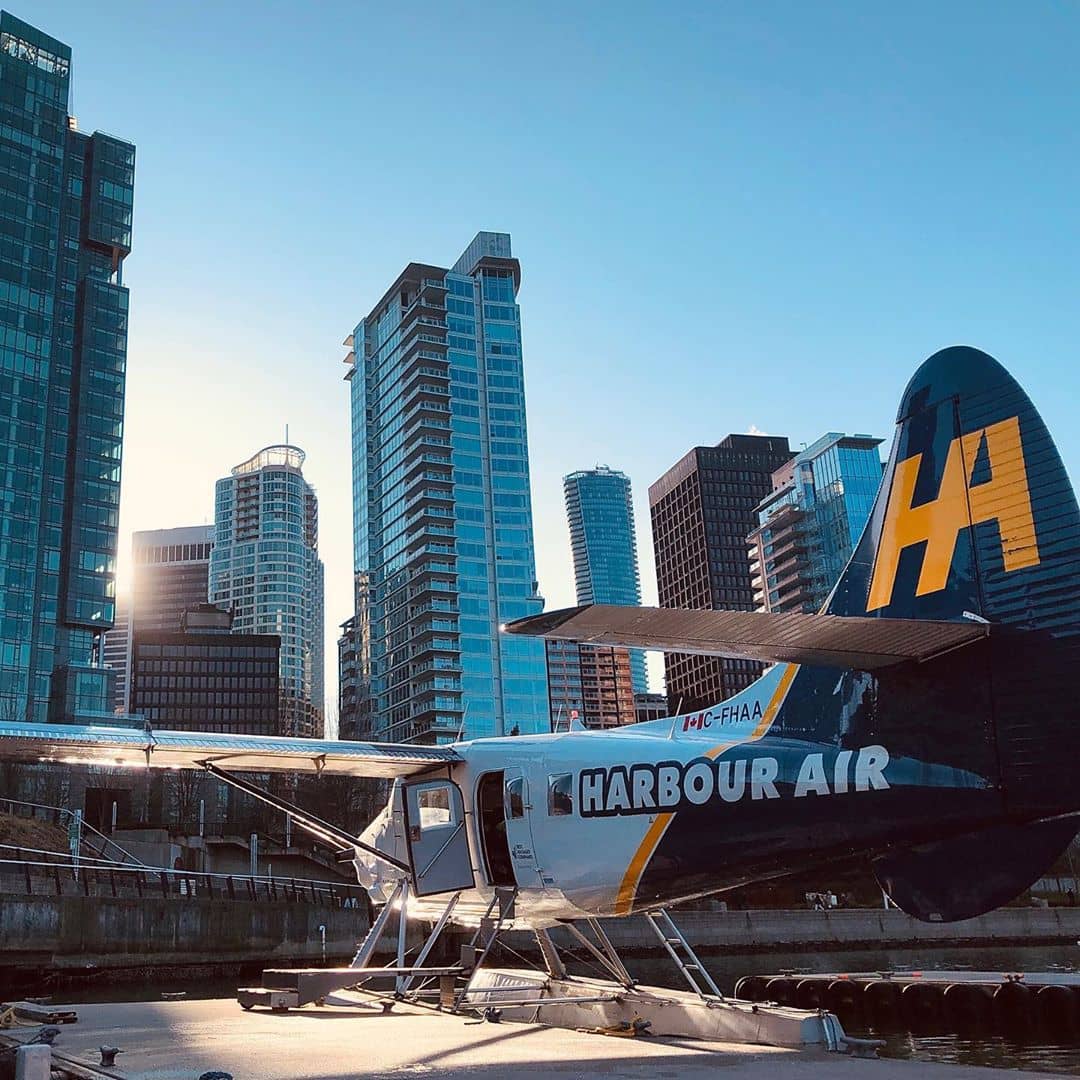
(686, 960)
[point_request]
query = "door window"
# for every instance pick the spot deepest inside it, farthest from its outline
(434, 805)
(515, 797)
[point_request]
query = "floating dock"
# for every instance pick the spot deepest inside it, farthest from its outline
(921, 1001)
(181, 1040)
(575, 1003)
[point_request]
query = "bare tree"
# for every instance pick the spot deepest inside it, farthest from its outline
(186, 787)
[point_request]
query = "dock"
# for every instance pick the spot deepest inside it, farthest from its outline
(181, 1040)
(960, 1001)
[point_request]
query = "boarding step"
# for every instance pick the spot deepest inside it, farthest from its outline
(275, 1000)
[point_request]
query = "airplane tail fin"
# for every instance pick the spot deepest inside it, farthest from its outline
(976, 520)
(975, 517)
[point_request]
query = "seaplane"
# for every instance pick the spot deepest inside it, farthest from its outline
(924, 723)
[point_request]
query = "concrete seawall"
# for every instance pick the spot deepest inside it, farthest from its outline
(751, 931)
(77, 933)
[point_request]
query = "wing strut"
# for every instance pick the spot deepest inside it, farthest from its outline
(321, 830)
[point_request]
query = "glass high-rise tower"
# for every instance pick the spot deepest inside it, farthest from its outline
(442, 517)
(265, 569)
(811, 521)
(600, 511)
(65, 230)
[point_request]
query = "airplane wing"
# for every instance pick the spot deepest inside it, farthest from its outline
(823, 640)
(112, 746)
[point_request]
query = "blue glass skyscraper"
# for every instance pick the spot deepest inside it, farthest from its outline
(65, 230)
(600, 511)
(811, 521)
(442, 518)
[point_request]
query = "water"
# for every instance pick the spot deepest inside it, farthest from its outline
(993, 1050)
(1036, 1053)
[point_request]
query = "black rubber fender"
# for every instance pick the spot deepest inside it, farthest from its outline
(752, 987)
(845, 998)
(812, 993)
(922, 1005)
(881, 1000)
(781, 990)
(1058, 1009)
(968, 1006)
(1014, 1007)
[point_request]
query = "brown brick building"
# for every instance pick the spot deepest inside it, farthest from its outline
(702, 511)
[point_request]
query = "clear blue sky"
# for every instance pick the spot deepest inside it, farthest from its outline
(728, 215)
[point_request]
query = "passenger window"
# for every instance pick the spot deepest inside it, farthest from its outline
(515, 797)
(561, 794)
(434, 803)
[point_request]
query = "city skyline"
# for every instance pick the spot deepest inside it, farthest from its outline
(831, 247)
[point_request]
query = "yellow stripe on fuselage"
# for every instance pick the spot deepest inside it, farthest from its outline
(628, 889)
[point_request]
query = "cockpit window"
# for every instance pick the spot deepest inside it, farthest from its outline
(515, 797)
(561, 794)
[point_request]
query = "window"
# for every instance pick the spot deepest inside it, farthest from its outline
(434, 806)
(515, 797)
(561, 794)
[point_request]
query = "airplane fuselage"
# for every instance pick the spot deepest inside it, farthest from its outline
(608, 823)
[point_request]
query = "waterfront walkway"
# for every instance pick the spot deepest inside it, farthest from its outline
(179, 1040)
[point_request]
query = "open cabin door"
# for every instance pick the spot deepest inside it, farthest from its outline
(519, 835)
(438, 844)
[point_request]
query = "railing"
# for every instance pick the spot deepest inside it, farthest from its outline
(59, 815)
(299, 843)
(54, 873)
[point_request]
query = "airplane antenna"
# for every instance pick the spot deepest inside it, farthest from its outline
(671, 733)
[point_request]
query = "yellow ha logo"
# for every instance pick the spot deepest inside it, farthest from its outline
(1003, 498)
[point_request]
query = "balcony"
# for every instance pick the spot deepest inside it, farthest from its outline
(430, 519)
(427, 391)
(431, 547)
(415, 322)
(419, 487)
(438, 412)
(430, 301)
(438, 564)
(425, 369)
(430, 671)
(428, 466)
(425, 346)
